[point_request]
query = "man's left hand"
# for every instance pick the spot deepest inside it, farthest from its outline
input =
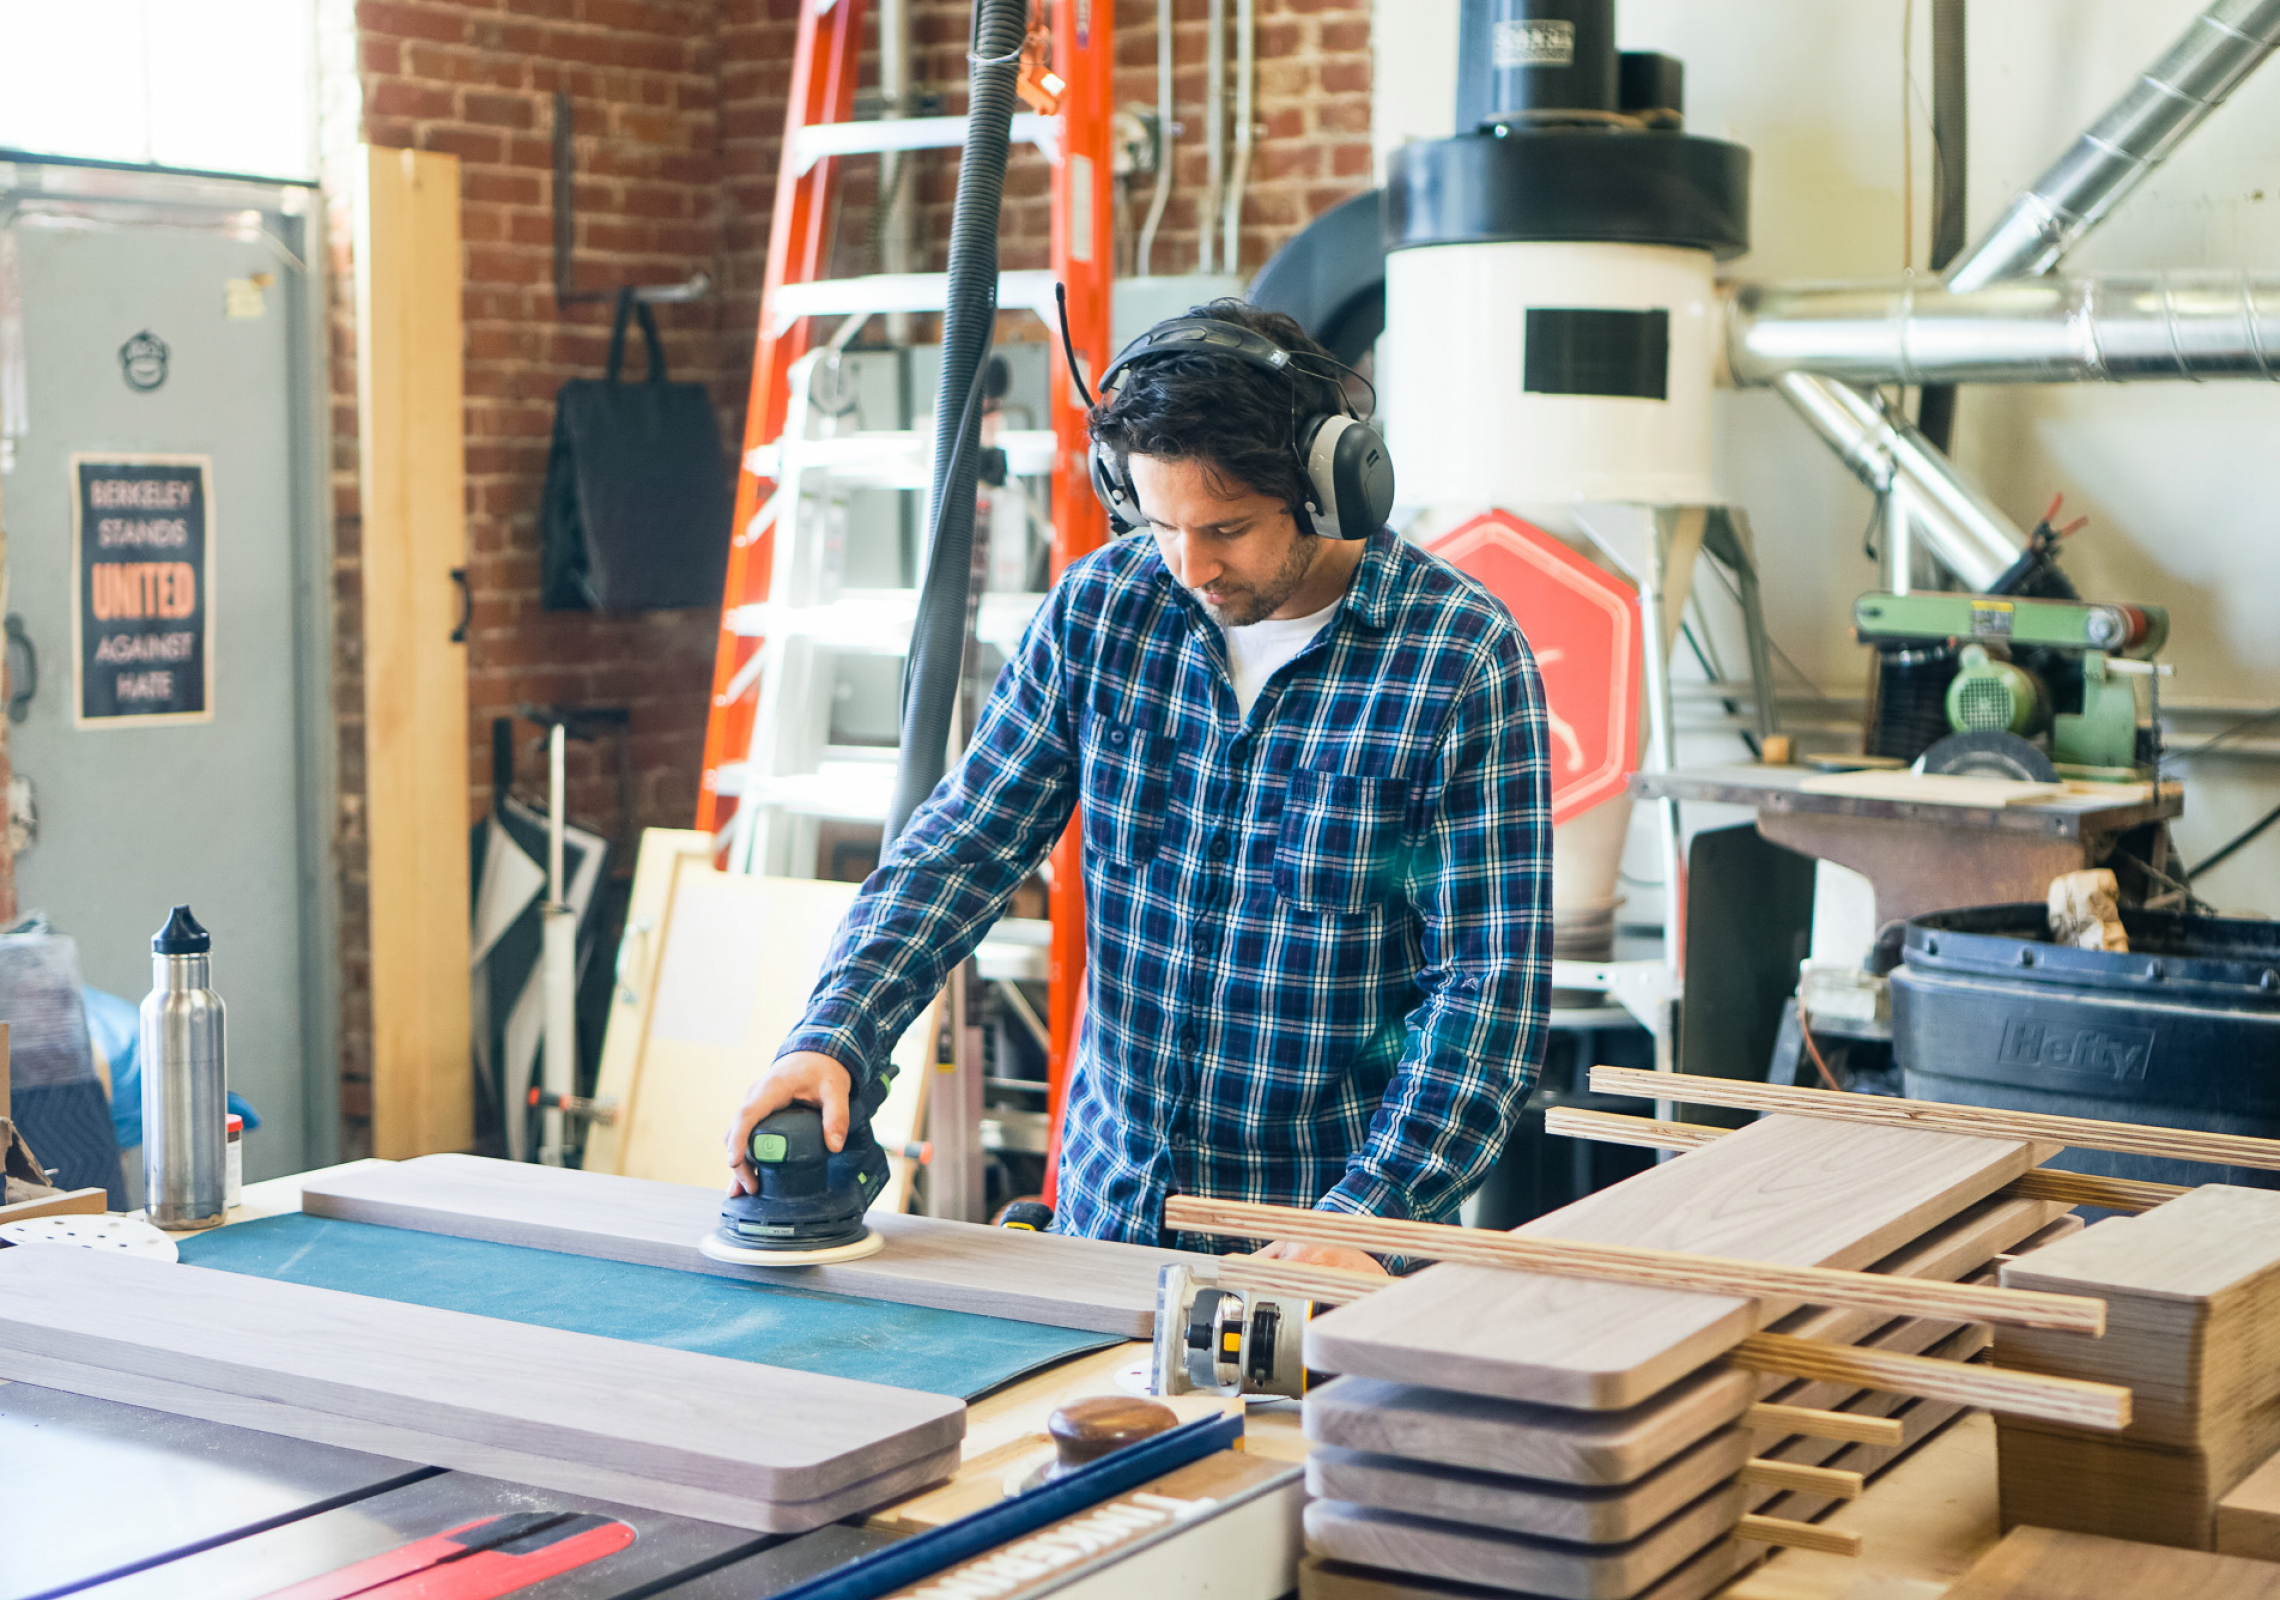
(1345, 1257)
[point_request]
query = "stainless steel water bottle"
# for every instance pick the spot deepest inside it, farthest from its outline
(185, 1081)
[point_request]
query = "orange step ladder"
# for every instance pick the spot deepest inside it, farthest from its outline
(818, 134)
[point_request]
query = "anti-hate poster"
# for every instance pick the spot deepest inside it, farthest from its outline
(142, 550)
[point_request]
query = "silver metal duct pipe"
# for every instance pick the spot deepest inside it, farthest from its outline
(1951, 520)
(2114, 328)
(2223, 46)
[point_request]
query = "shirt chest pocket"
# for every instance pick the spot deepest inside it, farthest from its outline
(1342, 839)
(1127, 785)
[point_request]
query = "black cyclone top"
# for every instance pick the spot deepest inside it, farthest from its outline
(181, 936)
(1586, 185)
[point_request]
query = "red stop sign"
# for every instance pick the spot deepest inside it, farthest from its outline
(1583, 625)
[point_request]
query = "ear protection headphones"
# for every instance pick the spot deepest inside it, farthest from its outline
(1341, 460)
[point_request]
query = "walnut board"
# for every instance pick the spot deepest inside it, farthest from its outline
(581, 1476)
(1515, 1562)
(1794, 1190)
(2042, 1564)
(1568, 1512)
(1526, 1441)
(655, 1414)
(1093, 1284)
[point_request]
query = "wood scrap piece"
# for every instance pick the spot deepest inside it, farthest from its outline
(2089, 1482)
(1571, 1513)
(2085, 912)
(1867, 1406)
(1769, 1421)
(1794, 1535)
(1520, 1440)
(1793, 1190)
(2023, 1394)
(571, 1475)
(1762, 1473)
(698, 1421)
(2248, 1516)
(1514, 1562)
(2045, 1564)
(1094, 1284)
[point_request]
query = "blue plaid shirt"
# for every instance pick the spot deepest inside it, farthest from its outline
(1318, 936)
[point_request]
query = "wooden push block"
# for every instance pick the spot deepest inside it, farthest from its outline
(2248, 1518)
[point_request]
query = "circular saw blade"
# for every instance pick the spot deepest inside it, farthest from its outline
(1990, 753)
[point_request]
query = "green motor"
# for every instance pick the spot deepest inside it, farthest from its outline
(1995, 696)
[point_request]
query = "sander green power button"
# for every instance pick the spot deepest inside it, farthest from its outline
(768, 1148)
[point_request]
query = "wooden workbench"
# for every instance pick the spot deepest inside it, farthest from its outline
(1924, 1522)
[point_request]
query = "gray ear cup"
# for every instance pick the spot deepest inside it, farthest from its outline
(1114, 493)
(1349, 477)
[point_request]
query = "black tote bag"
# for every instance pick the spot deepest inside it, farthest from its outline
(637, 502)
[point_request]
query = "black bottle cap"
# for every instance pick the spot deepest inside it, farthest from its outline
(181, 936)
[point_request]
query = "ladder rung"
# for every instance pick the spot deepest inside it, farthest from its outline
(897, 458)
(900, 291)
(878, 620)
(817, 140)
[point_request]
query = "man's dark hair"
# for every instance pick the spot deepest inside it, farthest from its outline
(1237, 418)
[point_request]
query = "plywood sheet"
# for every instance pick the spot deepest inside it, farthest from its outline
(1568, 1512)
(412, 467)
(668, 1416)
(1513, 1562)
(1094, 1284)
(2041, 1564)
(1698, 1578)
(654, 871)
(1525, 1441)
(735, 960)
(1785, 1189)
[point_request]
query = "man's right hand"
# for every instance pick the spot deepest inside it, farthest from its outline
(801, 1078)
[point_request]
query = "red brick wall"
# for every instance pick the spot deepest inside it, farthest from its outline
(679, 117)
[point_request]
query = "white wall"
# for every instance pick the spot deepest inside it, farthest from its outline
(2182, 482)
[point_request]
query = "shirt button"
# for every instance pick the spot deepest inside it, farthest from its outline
(1190, 1037)
(1219, 847)
(1116, 737)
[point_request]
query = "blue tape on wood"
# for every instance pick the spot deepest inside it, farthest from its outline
(876, 1341)
(940, 1549)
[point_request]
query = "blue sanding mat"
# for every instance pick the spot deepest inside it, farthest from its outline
(876, 1341)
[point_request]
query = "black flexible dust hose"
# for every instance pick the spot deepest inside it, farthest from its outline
(938, 639)
(1935, 407)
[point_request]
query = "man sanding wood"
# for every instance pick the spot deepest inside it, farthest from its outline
(1317, 846)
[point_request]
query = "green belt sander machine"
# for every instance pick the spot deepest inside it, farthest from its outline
(2043, 689)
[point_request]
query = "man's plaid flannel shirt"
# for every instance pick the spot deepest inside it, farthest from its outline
(1318, 937)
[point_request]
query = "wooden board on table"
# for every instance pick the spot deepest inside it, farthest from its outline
(1515, 1562)
(1093, 1284)
(2248, 1517)
(1515, 1439)
(1320, 1579)
(412, 466)
(1568, 1512)
(1795, 1190)
(1932, 788)
(710, 1423)
(582, 1475)
(2043, 1564)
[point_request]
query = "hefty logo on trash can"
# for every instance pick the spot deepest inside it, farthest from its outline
(2116, 1055)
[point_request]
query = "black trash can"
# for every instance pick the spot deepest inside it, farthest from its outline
(2181, 1031)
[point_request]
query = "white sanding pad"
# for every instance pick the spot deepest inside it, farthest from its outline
(122, 1235)
(713, 1245)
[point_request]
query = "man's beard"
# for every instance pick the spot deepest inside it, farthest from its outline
(1245, 606)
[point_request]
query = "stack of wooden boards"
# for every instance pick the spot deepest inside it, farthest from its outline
(697, 1435)
(2045, 1564)
(2192, 1291)
(1579, 1439)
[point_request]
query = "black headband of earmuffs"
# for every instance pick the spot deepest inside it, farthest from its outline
(1340, 458)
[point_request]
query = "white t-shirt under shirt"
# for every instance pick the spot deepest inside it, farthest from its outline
(1255, 653)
